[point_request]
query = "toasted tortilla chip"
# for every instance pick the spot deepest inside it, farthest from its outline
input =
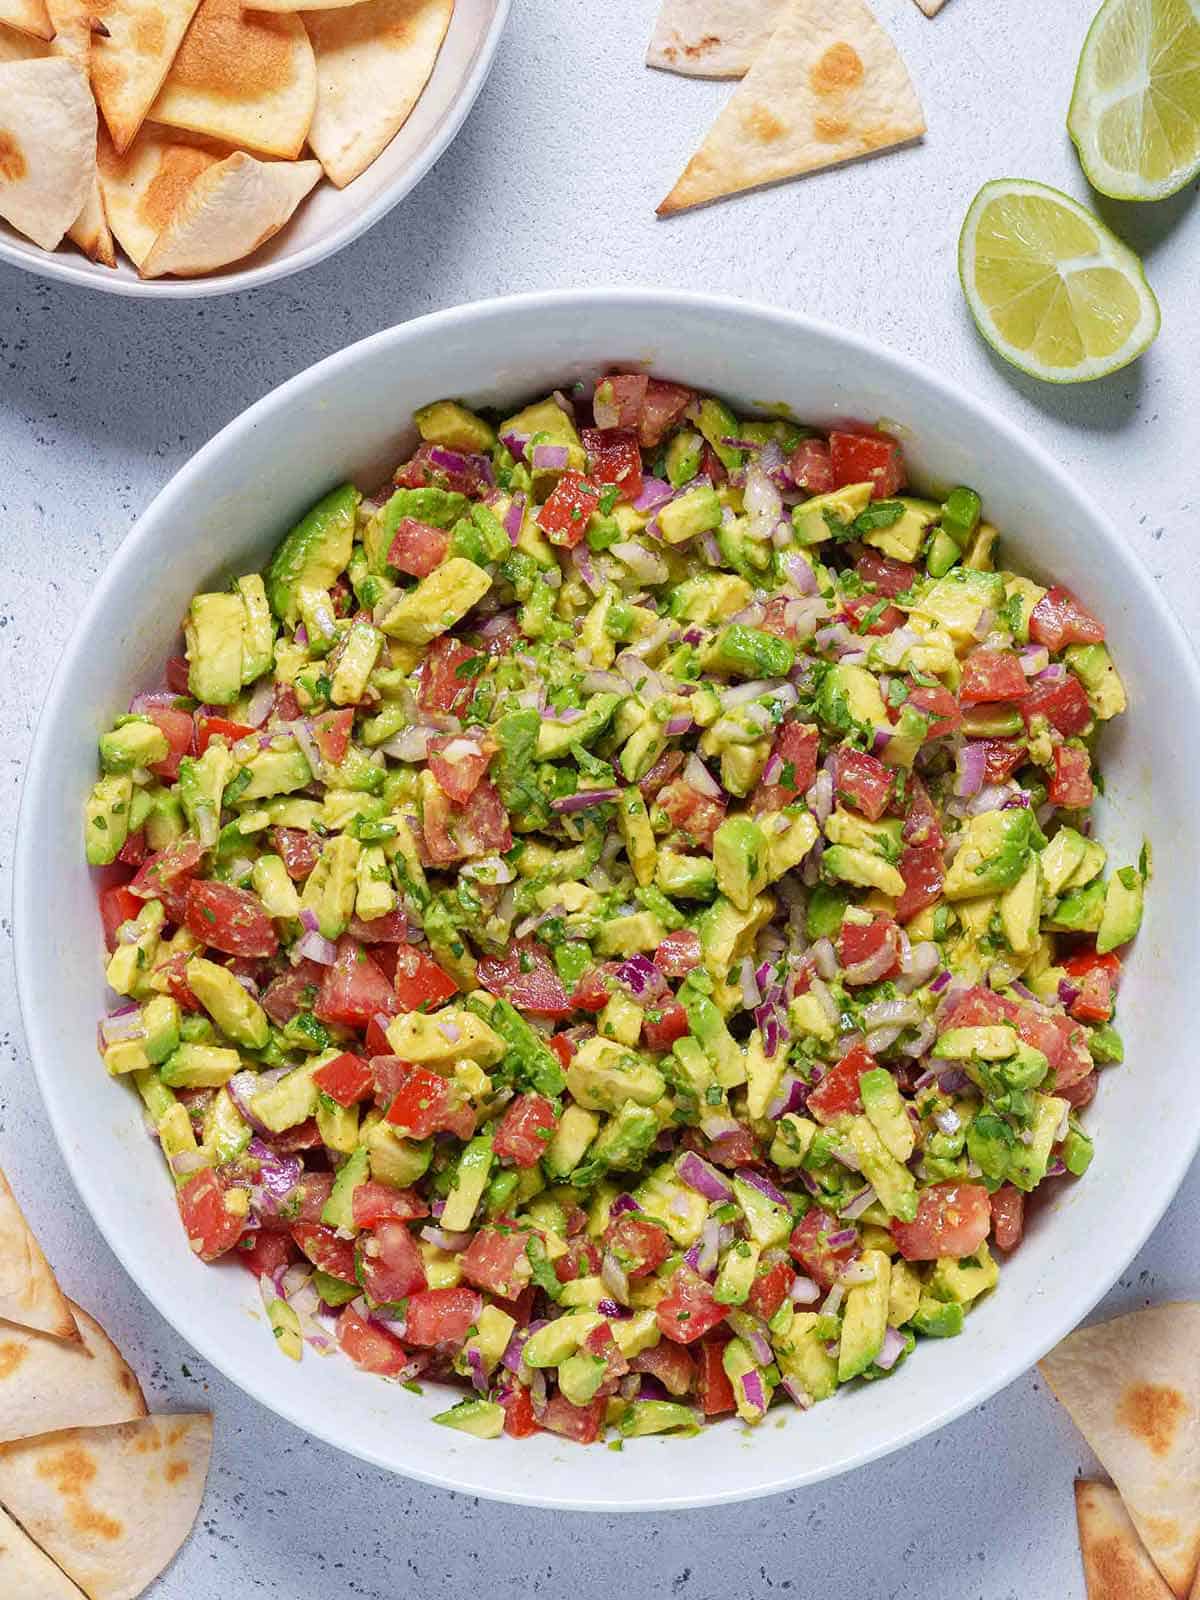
(131, 64)
(143, 187)
(1115, 1563)
(931, 7)
(1132, 1387)
(110, 1505)
(25, 1573)
(27, 16)
(829, 86)
(74, 21)
(246, 77)
(373, 61)
(229, 211)
(712, 38)
(46, 1383)
(47, 150)
(16, 46)
(29, 1292)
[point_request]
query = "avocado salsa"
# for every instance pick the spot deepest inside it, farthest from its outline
(613, 922)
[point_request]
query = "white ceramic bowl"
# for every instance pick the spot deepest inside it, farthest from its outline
(223, 513)
(328, 218)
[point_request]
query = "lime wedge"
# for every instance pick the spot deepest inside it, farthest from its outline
(1050, 287)
(1135, 110)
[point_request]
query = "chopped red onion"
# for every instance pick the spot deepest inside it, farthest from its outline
(1035, 658)
(764, 1186)
(313, 947)
(611, 1310)
(861, 1201)
(641, 977)
(984, 623)
(121, 1025)
(187, 1162)
(703, 1178)
(791, 1097)
(920, 1042)
(678, 725)
(797, 1392)
(616, 1279)
(824, 959)
(891, 1013)
(843, 1237)
(258, 707)
(970, 762)
(940, 982)
(567, 804)
(918, 963)
(1068, 993)
(655, 493)
(698, 777)
(804, 1292)
(445, 1241)
(872, 968)
(646, 565)
(948, 1120)
(820, 797)
(891, 1350)
(551, 457)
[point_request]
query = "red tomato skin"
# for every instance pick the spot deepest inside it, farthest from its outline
(389, 1265)
(264, 1254)
(368, 1346)
(712, 1382)
(770, 1289)
(441, 1316)
(564, 517)
(180, 733)
(952, 1220)
(855, 611)
(837, 1091)
(167, 874)
(887, 575)
(117, 905)
(796, 746)
(210, 728)
(346, 1079)
(992, 675)
(935, 702)
(1094, 1002)
(420, 1102)
(293, 991)
(1060, 619)
(1063, 704)
(696, 816)
(1002, 757)
(458, 779)
(614, 456)
(862, 782)
(496, 1260)
(325, 1250)
(663, 405)
(519, 1420)
(859, 941)
(924, 873)
(440, 686)
(581, 1423)
(618, 400)
(1071, 783)
(812, 1254)
(661, 1032)
(811, 467)
(922, 825)
(375, 1202)
(1008, 1217)
(679, 953)
(525, 1130)
(420, 981)
(639, 1245)
(354, 989)
(331, 730)
(737, 1148)
(299, 851)
(230, 920)
(417, 548)
(526, 978)
(594, 990)
(211, 1229)
(867, 458)
(670, 1363)
(175, 675)
(688, 1311)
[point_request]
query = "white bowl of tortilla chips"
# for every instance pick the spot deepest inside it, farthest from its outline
(196, 147)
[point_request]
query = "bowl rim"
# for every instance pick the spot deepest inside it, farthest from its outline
(136, 546)
(80, 273)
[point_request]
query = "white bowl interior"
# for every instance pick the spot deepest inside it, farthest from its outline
(224, 512)
(329, 218)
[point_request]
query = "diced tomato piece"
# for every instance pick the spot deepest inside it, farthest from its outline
(837, 1091)
(792, 766)
(304, 1136)
(694, 815)
(600, 1342)
(175, 675)
(563, 1048)
(497, 1260)
(325, 1250)
(1008, 1217)
(564, 517)
(770, 1289)
(331, 730)
(618, 400)
(525, 1130)
(526, 978)
(737, 1148)
(924, 873)
(662, 407)
(420, 982)
(867, 458)
(458, 762)
(1094, 1002)
(346, 1079)
(1080, 1093)
(582, 1260)
(167, 874)
(390, 1266)
(1081, 962)
(1059, 619)
(173, 972)
(856, 611)
(952, 1220)
(712, 1382)
(862, 782)
(441, 1316)
(660, 774)
(581, 1423)
(812, 1252)
(417, 547)
(670, 1363)
(117, 905)
(209, 728)
(299, 851)
(446, 681)
(1002, 757)
(1071, 783)
(212, 1230)
(264, 1254)
(519, 1420)
(679, 953)
(180, 731)
(419, 1101)
(370, 1347)
(639, 1244)
(374, 1203)
(354, 989)
(934, 701)
(811, 466)
(922, 825)
(133, 852)
(478, 827)
(980, 1008)
(446, 469)
(614, 456)
(860, 942)
(1064, 704)
(886, 575)
(989, 675)
(688, 1311)
(293, 991)
(229, 919)
(595, 988)
(663, 1024)
(286, 707)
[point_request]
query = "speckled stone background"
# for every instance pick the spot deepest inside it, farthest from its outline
(553, 181)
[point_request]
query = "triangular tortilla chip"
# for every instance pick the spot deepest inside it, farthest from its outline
(373, 61)
(829, 86)
(29, 1292)
(143, 187)
(246, 77)
(28, 16)
(228, 212)
(16, 46)
(1115, 1563)
(110, 1505)
(130, 65)
(1132, 1388)
(25, 1573)
(46, 1383)
(47, 148)
(931, 7)
(712, 38)
(73, 25)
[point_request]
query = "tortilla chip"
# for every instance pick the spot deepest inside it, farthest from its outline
(29, 1292)
(47, 1384)
(1115, 1563)
(931, 7)
(110, 1505)
(25, 1573)
(229, 211)
(712, 38)
(16, 46)
(131, 64)
(47, 163)
(73, 26)
(373, 61)
(246, 77)
(828, 87)
(1132, 1388)
(27, 16)
(143, 187)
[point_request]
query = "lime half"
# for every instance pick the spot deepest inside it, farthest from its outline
(1050, 287)
(1135, 110)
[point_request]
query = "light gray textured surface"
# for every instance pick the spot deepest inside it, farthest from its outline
(553, 182)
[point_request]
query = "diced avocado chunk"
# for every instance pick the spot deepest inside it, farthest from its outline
(814, 520)
(553, 1344)
(470, 1180)
(741, 861)
(889, 1177)
(1079, 910)
(802, 1355)
(213, 643)
(958, 600)
(133, 742)
(448, 423)
(767, 1223)
(857, 867)
(482, 1418)
(1093, 666)
(355, 663)
(964, 1280)
(437, 602)
(993, 853)
(1061, 858)
(681, 1210)
(603, 1075)
(235, 1012)
(1122, 916)
(338, 1210)
(937, 1319)
(1021, 909)
(864, 1322)
(708, 1025)
(1029, 1161)
(698, 511)
(160, 1018)
(717, 423)
(293, 1099)
(330, 889)
(258, 628)
(709, 597)
(575, 1131)
(396, 1160)
(685, 877)
(902, 539)
(443, 1037)
(984, 1043)
(314, 553)
(106, 819)
(886, 1112)
(554, 739)
(642, 1417)
(752, 653)
(199, 1066)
